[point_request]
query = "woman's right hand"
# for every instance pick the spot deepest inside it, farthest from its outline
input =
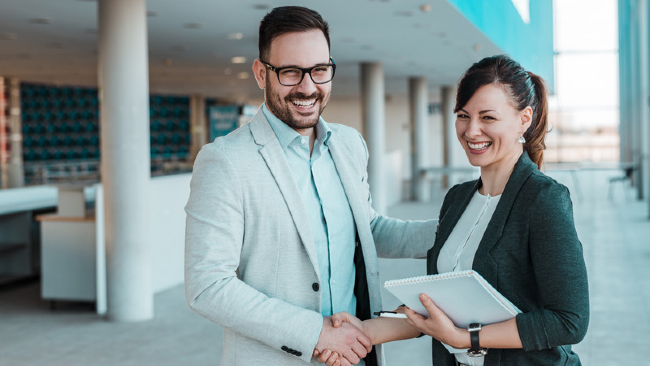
(339, 318)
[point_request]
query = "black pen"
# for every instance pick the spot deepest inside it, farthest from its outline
(391, 314)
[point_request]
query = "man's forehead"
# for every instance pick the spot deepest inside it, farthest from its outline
(299, 49)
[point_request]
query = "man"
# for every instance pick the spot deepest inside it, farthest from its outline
(280, 229)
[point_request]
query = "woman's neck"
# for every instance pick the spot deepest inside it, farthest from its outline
(494, 177)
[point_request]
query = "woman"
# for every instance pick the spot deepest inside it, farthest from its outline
(514, 226)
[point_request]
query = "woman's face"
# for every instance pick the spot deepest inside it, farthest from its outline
(488, 127)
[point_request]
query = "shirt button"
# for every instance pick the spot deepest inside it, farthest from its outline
(315, 286)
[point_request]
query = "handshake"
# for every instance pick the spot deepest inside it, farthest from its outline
(343, 341)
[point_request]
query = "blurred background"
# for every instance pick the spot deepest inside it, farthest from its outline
(104, 105)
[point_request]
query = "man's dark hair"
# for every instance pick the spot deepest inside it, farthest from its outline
(288, 19)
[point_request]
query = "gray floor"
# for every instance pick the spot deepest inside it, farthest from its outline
(614, 232)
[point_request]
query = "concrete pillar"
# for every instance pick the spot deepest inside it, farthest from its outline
(419, 110)
(374, 128)
(626, 126)
(198, 126)
(644, 97)
(15, 168)
(125, 162)
(4, 153)
(448, 102)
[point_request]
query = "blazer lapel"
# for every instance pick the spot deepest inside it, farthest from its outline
(275, 159)
(522, 170)
(357, 203)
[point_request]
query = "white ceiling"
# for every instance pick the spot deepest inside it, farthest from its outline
(191, 45)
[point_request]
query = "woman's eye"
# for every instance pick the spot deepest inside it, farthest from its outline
(489, 118)
(461, 115)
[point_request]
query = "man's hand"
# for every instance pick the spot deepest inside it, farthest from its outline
(346, 340)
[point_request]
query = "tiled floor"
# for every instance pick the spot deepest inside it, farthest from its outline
(614, 233)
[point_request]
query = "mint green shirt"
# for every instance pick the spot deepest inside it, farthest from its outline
(330, 216)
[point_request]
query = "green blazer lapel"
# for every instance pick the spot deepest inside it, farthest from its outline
(522, 170)
(448, 220)
(275, 159)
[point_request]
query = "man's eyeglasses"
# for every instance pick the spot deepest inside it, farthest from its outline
(290, 76)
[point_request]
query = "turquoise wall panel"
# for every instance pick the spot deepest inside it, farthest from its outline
(531, 44)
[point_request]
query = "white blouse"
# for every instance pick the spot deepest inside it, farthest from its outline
(457, 254)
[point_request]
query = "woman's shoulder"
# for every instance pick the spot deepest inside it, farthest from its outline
(546, 188)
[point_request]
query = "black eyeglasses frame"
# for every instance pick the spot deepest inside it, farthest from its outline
(304, 71)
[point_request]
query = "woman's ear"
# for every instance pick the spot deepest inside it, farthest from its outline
(259, 70)
(526, 117)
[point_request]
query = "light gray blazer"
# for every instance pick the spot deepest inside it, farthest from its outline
(250, 258)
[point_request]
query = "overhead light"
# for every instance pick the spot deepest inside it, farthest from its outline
(425, 8)
(8, 36)
(235, 36)
(238, 60)
(193, 25)
(41, 20)
(476, 47)
(243, 75)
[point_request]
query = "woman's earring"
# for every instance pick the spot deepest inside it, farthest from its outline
(522, 139)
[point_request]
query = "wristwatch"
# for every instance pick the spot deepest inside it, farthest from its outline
(475, 350)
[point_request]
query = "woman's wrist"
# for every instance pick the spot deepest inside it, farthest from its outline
(461, 339)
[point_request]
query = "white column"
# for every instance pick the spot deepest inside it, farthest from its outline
(644, 113)
(448, 102)
(16, 171)
(419, 104)
(374, 129)
(124, 113)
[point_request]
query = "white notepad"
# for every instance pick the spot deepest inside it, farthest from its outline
(465, 297)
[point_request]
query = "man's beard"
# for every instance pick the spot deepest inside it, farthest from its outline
(284, 113)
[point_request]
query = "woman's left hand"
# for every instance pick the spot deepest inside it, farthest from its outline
(437, 325)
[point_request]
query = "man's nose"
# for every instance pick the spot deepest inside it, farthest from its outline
(307, 85)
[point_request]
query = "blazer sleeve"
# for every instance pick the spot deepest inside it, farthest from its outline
(395, 238)
(560, 273)
(213, 241)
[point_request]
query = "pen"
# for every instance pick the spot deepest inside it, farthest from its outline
(391, 314)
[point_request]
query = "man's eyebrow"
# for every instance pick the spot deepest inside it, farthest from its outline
(298, 67)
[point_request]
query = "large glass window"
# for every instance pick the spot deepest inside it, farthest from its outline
(585, 107)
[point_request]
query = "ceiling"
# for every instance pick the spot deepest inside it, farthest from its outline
(192, 42)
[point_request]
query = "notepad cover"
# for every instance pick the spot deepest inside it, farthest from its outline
(464, 296)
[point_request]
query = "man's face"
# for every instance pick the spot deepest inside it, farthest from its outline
(301, 105)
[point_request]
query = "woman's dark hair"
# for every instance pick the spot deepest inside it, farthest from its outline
(523, 88)
(288, 19)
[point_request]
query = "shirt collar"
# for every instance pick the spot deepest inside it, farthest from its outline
(286, 134)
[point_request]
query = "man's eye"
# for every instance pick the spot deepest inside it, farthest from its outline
(291, 72)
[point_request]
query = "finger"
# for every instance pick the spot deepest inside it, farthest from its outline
(339, 318)
(315, 353)
(365, 341)
(345, 362)
(416, 320)
(428, 304)
(324, 356)
(332, 359)
(360, 350)
(351, 356)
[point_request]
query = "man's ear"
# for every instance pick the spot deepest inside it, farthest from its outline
(526, 118)
(259, 70)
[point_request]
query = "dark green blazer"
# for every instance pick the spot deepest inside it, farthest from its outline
(530, 252)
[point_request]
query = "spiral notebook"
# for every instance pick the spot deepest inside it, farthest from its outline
(465, 297)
